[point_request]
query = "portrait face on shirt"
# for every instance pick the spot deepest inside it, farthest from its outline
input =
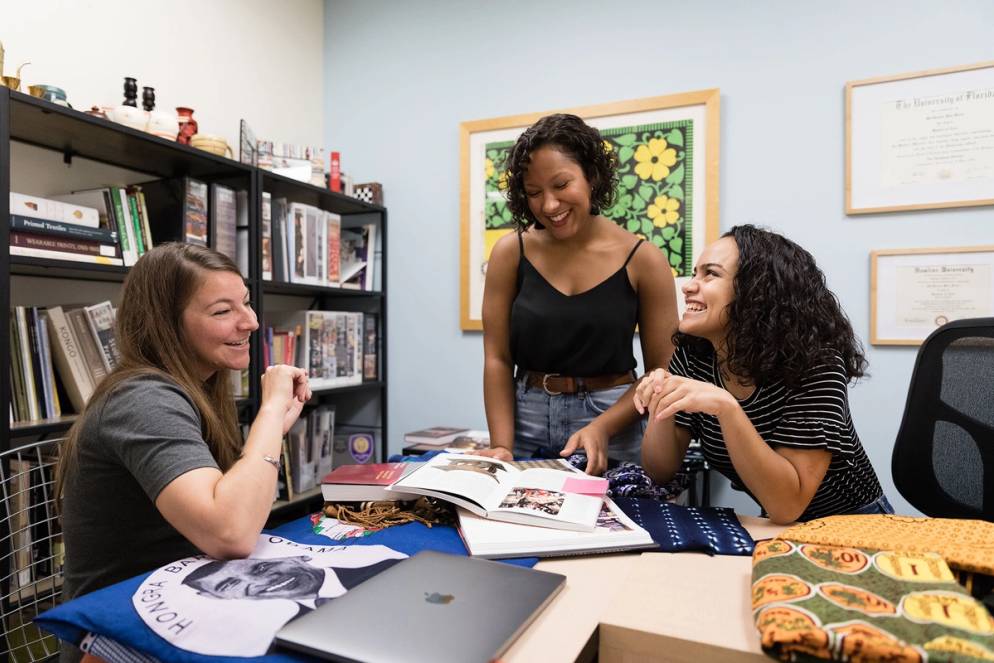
(710, 291)
(217, 323)
(558, 191)
(282, 578)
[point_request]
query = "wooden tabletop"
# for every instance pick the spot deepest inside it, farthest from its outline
(649, 607)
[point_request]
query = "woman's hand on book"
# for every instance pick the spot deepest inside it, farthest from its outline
(500, 453)
(593, 441)
(286, 388)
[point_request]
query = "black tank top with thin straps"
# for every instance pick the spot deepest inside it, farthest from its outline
(583, 335)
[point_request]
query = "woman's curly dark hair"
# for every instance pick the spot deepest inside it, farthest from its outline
(577, 140)
(783, 319)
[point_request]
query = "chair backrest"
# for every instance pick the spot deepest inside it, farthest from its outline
(31, 554)
(943, 461)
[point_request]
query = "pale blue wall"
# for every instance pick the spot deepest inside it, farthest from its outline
(401, 76)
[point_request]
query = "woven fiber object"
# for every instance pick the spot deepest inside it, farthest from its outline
(966, 545)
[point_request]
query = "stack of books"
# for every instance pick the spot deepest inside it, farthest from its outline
(518, 509)
(107, 226)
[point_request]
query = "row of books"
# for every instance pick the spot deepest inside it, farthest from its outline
(314, 446)
(106, 226)
(77, 344)
(336, 348)
(308, 245)
(35, 536)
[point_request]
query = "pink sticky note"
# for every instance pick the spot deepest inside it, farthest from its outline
(591, 486)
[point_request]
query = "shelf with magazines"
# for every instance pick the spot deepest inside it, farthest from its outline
(322, 268)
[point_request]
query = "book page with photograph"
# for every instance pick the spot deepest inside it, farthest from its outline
(490, 539)
(494, 489)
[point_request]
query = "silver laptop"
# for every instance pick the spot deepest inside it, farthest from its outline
(431, 607)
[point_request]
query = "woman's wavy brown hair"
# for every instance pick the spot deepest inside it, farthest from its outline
(580, 142)
(783, 319)
(151, 341)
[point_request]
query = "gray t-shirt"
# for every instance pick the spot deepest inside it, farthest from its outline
(145, 434)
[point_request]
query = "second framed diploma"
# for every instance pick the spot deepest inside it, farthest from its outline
(915, 291)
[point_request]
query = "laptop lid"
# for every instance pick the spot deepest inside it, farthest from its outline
(431, 607)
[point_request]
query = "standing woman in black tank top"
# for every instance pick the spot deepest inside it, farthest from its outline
(562, 298)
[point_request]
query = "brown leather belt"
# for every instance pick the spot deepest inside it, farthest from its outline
(555, 384)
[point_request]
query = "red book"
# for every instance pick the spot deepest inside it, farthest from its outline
(335, 181)
(366, 483)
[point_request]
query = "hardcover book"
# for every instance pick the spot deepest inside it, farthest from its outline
(195, 212)
(555, 495)
(436, 435)
(490, 539)
(366, 483)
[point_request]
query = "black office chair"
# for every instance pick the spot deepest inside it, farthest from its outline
(943, 461)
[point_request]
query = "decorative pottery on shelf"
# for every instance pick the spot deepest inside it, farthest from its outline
(187, 125)
(158, 123)
(213, 144)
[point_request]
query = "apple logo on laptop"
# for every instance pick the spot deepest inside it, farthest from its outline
(439, 599)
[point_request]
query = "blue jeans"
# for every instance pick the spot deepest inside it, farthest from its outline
(881, 505)
(543, 423)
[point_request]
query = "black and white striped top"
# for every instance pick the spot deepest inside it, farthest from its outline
(813, 416)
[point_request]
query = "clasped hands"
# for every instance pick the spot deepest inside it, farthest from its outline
(663, 394)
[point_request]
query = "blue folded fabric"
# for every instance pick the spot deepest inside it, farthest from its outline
(110, 612)
(714, 530)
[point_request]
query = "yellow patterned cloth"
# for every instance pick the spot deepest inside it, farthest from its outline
(966, 545)
(820, 602)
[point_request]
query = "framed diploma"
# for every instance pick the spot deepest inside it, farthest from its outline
(915, 291)
(920, 141)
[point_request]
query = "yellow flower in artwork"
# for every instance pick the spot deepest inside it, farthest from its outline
(674, 272)
(607, 146)
(664, 211)
(488, 167)
(654, 160)
(502, 180)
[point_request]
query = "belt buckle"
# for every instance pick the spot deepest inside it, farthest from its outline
(545, 384)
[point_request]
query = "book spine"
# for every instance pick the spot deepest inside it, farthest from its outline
(335, 178)
(69, 359)
(42, 386)
(62, 255)
(101, 321)
(30, 390)
(143, 212)
(53, 210)
(87, 345)
(48, 364)
(136, 222)
(127, 248)
(69, 245)
(267, 237)
(58, 229)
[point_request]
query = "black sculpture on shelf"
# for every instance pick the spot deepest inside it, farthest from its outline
(130, 91)
(148, 98)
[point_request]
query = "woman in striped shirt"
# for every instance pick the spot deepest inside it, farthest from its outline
(759, 377)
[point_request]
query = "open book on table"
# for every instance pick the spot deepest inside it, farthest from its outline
(615, 532)
(553, 496)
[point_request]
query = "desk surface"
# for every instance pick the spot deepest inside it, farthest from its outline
(649, 604)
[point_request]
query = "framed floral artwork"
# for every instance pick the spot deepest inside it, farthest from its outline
(667, 150)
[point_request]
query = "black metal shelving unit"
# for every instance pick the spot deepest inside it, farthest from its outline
(72, 134)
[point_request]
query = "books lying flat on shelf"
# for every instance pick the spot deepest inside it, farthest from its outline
(366, 483)
(53, 210)
(490, 539)
(547, 496)
(436, 435)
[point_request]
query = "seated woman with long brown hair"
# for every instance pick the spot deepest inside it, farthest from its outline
(155, 468)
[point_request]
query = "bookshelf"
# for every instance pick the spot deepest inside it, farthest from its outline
(69, 136)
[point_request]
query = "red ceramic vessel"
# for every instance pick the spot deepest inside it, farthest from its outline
(187, 125)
